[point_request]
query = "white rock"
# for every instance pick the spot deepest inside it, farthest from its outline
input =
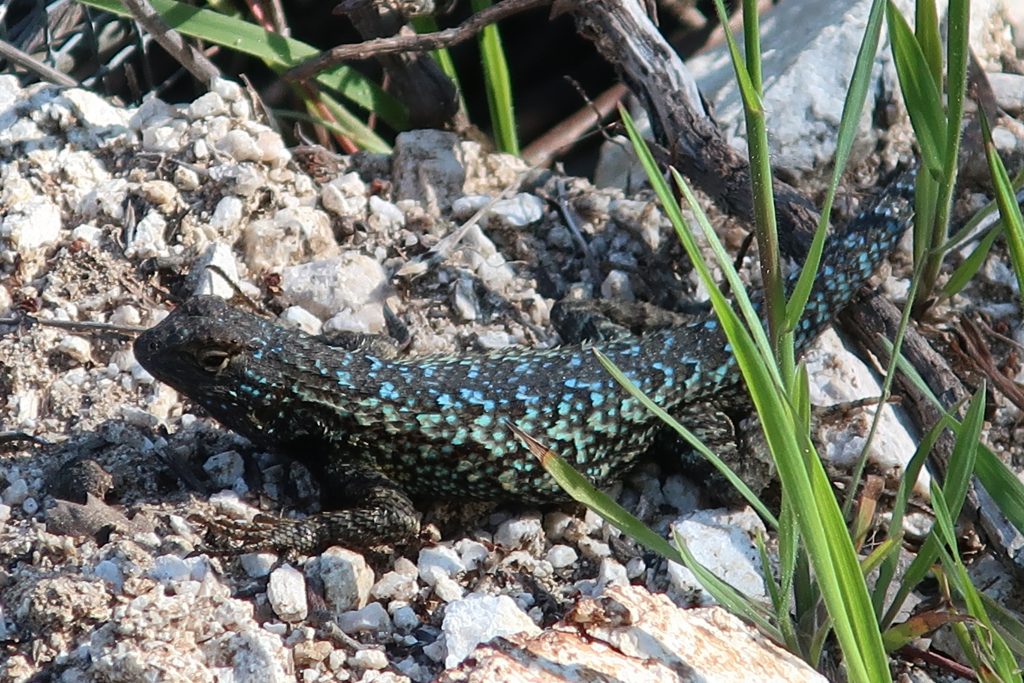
(148, 237)
(346, 577)
(32, 225)
(346, 196)
(224, 469)
(448, 589)
(215, 270)
(228, 214)
(258, 565)
(299, 318)
(561, 556)
(395, 586)
(76, 348)
(208, 104)
(159, 192)
(369, 659)
(186, 179)
(351, 281)
(87, 233)
(479, 618)
(240, 146)
(611, 573)
(286, 592)
(438, 561)
(519, 531)
(370, 619)
(96, 111)
(387, 215)
(293, 234)
(473, 553)
(167, 138)
(838, 376)
(107, 199)
(169, 569)
(518, 212)
(483, 257)
(721, 540)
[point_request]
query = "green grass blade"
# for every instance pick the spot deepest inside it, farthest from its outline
(577, 486)
(853, 105)
(1013, 223)
(920, 92)
(498, 85)
(823, 529)
(278, 52)
(958, 475)
(720, 465)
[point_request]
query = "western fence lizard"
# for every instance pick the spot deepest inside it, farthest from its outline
(378, 432)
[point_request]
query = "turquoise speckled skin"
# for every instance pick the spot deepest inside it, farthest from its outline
(377, 432)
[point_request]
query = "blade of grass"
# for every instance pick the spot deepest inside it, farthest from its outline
(958, 476)
(1008, 209)
(498, 85)
(581, 490)
(919, 91)
(803, 477)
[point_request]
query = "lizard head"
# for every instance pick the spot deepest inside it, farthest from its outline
(203, 349)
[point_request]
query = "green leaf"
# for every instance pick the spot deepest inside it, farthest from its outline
(278, 52)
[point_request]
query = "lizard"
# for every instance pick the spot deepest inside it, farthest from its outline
(378, 432)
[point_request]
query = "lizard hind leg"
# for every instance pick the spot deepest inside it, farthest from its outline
(377, 512)
(734, 440)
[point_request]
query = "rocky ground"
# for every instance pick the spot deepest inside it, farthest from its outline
(110, 215)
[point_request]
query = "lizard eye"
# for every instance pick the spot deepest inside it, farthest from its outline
(212, 360)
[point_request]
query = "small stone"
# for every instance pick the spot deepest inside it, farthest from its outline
(369, 659)
(224, 469)
(76, 348)
(387, 215)
(206, 105)
(240, 146)
(479, 618)
(518, 532)
(473, 553)
(169, 569)
(16, 492)
(448, 589)
(405, 619)
(286, 592)
(228, 90)
(561, 556)
(395, 586)
(346, 577)
(439, 561)
(186, 179)
(109, 571)
(370, 619)
(32, 225)
(617, 286)
(228, 214)
(519, 211)
(159, 192)
(611, 573)
(299, 318)
(258, 565)
(351, 281)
